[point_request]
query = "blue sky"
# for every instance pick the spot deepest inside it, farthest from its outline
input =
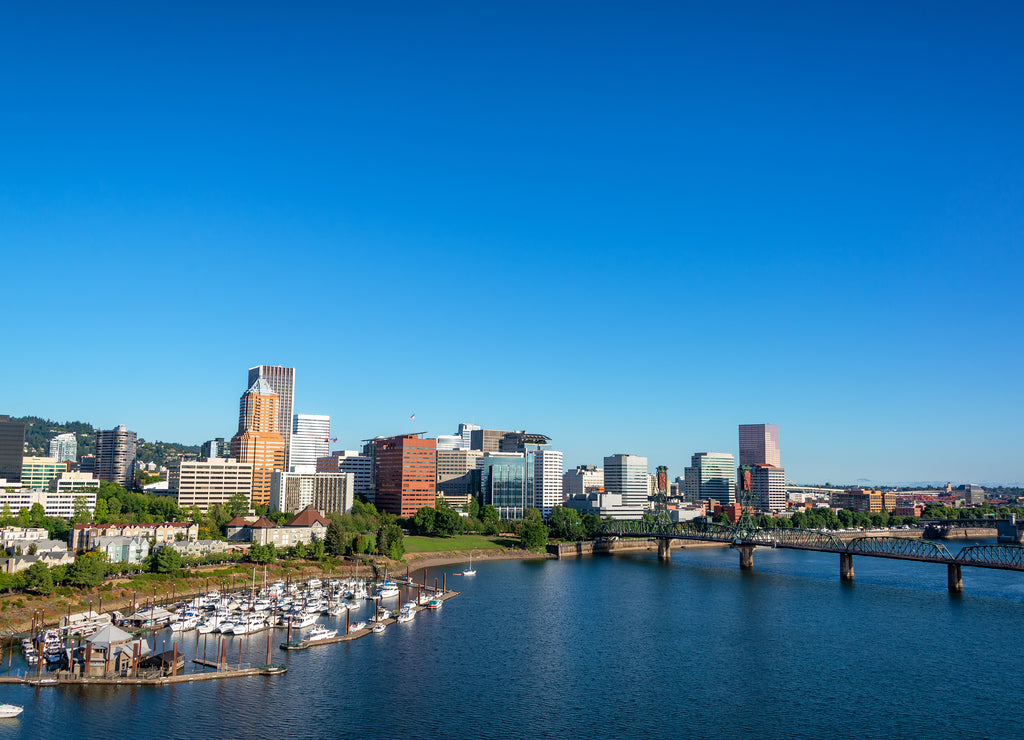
(631, 228)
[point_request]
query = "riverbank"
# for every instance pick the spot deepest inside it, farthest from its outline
(428, 560)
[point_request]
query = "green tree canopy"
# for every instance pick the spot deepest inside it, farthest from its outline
(39, 579)
(533, 533)
(166, 560)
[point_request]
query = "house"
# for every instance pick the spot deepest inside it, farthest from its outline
(305, 527)
(81, 537)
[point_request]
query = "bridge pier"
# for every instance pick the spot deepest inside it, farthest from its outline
(954, 578)
(746, 557)
(845, 566)
(664, 554)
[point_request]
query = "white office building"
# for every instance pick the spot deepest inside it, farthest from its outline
(325, 492)
(585, 479)
(203, 483)
(311, 435)
(350, 461)
(547, 475)
(626, 476)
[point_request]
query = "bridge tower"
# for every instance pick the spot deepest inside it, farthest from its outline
(748, 504)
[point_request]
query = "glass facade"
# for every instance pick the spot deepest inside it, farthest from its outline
(507, 483)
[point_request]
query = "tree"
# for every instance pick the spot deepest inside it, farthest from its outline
(299, 550)
(474, 508)
(316, 550)
(263, 554)
(591, 525)
(6, 515)
(447, 522)
(238, 505)
(37, 515)
(102, 512)
(39, 579)
(166, 560)
(88, 570)
(336, 541)
(533, 533)
(565, 523)
(390, 540)
(81, 511)
(489, 515)
(425, 520)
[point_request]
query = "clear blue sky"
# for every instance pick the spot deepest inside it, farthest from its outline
(630, 227)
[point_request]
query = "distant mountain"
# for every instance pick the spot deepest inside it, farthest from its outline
(39, 432)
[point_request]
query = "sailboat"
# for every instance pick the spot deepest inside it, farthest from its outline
(470, 571)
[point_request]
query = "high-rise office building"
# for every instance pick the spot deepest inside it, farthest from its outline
(487, 440)
(711, 475)
(214, 480)
(405, 473)
(584, 479)
(258, 441)
(466, 432)
(64, 447)
(350, 461)
(507, 483)
(115, 456)
(215, 448)
(282, 383)
(769, 486)
(759, 445)
(12, 449)
(457, 475)
(326, 492)
(38, 472)
(547, 474)
(626, 475)
(311, 435)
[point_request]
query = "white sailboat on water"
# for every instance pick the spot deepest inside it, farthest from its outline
(470, 571)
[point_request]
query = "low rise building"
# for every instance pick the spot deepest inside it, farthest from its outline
(305, 527)
(55, 503)
(121, 549)
(71, 481)
(209, 481)
(82, 536)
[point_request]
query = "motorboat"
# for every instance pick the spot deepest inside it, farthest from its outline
(387, 590)
(10, 710)
(321, 632)
(377, 628)
(434, 604)
(356, 627)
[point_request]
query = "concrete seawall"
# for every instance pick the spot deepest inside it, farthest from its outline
(606, 547)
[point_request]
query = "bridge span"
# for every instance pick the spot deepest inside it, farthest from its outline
(746, 538)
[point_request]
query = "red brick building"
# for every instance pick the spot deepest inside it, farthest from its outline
(405, 473)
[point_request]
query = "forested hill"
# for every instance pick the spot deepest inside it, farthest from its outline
(39, 432)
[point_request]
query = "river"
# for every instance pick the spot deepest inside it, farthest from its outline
(617, 646)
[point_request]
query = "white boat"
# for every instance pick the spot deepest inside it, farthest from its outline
(470, 571)
(10, 710)
(406, 616)
(377, 628)
(320, 632)
(387, 590)
(184, 624)
(356, 627)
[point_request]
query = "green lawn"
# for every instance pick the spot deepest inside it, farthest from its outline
(459, 542)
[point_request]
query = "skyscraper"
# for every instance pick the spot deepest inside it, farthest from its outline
(258, 440)
(115, 456)
(547, 480)
(507, 482)
(759, 445)
(405, 473)
(711, 475)
(64, 447)
(12, 448)
(310, 439)
(626, 475)
(282, 383)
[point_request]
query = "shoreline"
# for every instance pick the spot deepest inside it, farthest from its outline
(416, 562)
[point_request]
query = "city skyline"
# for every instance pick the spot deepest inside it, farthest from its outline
(700, 216)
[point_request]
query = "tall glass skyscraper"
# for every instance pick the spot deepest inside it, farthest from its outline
(64, 447)
(506, 481)
(713, 476)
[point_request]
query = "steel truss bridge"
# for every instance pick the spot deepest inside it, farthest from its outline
(745, 538)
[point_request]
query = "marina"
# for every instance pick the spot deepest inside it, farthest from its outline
(115, 649)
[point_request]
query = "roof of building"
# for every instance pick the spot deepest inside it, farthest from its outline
(307, 518)
(237, 522)
(107, 635)
(261, 388)
(93, 525)
(262, 523)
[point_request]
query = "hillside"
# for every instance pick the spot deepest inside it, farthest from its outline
(39, 432)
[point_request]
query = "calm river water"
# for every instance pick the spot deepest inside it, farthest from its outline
(611, 647)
